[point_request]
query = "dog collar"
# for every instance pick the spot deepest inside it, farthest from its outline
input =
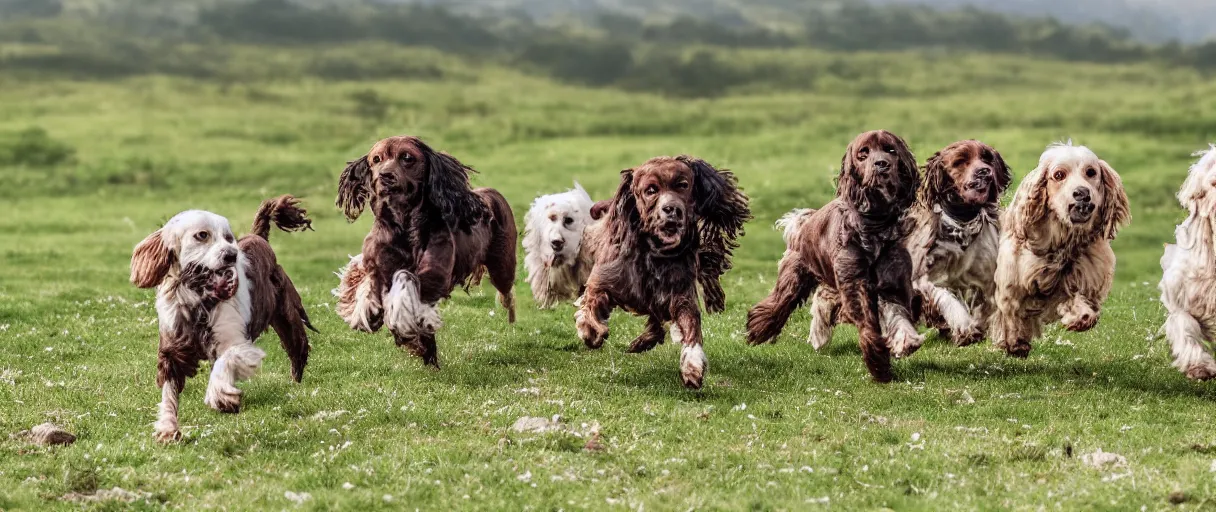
(962, 232)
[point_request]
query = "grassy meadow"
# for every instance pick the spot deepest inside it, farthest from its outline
(777, 427)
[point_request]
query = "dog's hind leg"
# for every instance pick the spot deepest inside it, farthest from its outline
(290, 322)
(651, 337)
(500, 254)
(794, 285)
(824, 309)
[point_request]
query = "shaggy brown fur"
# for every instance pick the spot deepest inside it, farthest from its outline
(672, 224)
(853, 245)
(432, 231)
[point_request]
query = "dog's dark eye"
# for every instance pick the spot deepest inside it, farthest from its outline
(1091, 172)
(652, 190)
(567, 221)
(861, 155)
(683, 185)
(889, 149)
(202, 236)
(228, 237)
(375, 159)
(1058, 175)
(959, 163)
(406, 157)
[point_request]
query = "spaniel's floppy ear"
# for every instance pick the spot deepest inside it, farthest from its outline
(909, 173)
(721, 205)
(1192, 192)
(354, 188)
(1116, 211)
(937, 180)
(447, 184)
(624, 221)
(1029, 205)
(151, 261)
(847, 185)
(1001, 171)
(600, 208)
(722, 209)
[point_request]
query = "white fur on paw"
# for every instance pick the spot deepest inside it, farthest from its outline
(223, 397)
(358, 315)
(166, 430)
(693, 365)
(820, 335)
(904, 342)
(404, 312)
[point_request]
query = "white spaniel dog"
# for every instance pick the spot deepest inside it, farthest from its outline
(558, 247)
(1055, 261)
(1190, 273)
(215, 295)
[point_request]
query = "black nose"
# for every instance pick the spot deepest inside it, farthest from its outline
(672, 210)
(229, 258)
(1081, 194)
(983, 172)
(882, 164)
(557, 245)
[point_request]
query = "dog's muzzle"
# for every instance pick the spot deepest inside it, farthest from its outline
(1082, 207)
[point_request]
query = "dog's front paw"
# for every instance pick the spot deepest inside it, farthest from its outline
(1019, 349)
(225, 399)
(693, 365)
(1078, 316)
(1201, 371)
(167, 431)
(645, 342)
(591, 331)
(1080, 322)
(904, 343)
(968, 336)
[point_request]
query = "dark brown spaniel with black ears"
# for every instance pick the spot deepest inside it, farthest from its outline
(855, 247)
(432, 233)
(672, 224)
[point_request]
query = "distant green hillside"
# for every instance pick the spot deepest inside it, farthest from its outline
(675, 55)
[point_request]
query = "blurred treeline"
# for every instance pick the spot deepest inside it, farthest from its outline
(236, 41)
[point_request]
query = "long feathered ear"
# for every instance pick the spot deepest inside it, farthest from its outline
(624, 221)
(1001, 170)
(151, 261)
(1192, 192)
(847, 180)
(1029, 205)
(354, 188)
(936, 181)
(1116, 210)
(721, 205)
(722, 210)
(909, 174)
(448, 190)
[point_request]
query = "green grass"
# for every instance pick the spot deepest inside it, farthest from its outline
(776, 427)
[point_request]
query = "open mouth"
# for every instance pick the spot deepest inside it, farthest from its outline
(1081, 212)
(218, 283)
(223, 283)
(670, 229)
